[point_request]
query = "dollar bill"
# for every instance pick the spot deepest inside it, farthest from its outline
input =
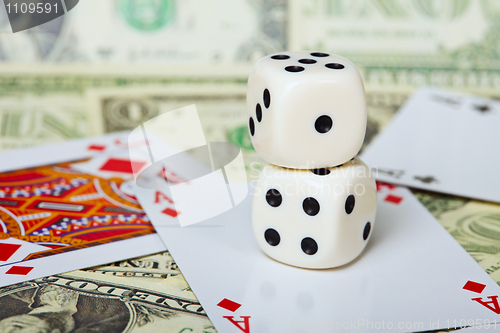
(145, 31)
(139, 295)
(406, 43)
(41, 105)
(474, 224)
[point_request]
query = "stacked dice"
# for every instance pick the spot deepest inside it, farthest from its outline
(314, 203)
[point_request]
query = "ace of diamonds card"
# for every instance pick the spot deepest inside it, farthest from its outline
(412, 276)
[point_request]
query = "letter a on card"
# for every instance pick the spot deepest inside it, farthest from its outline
(159, 197)
(494, 301)
(245, 322)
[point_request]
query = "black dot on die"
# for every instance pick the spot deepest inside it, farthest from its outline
(294, 69)
(309, 246)
(366, 231)
(267, 98)
(321, 171)
(251, 125)
(272, 237)
(323, 124)
(258, 112)
(349, 204)
(310, 206)
(280, 57)
(319, 54)
(273, 197)
(307, 61)
(334, 65)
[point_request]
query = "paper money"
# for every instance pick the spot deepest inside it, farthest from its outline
(142, 295)
(41, 105)
(26, 120)
(146, 31)
(406, 43)
(474, 224)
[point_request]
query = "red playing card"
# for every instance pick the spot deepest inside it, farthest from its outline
(7, 250)
(19, 270)
(121, 165)
(96, 147)
(229, 305)
(63, 211)
(474, 286)
(394, 199)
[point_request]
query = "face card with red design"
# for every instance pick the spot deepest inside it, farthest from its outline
(54, 218)
(410, 277)
(441, 141)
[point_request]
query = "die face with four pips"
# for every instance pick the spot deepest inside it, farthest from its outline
(320, 218)
(306, 109)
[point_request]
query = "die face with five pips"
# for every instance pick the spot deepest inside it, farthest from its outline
(306, 109)
(320, 218)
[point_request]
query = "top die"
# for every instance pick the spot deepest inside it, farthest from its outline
(306, 109)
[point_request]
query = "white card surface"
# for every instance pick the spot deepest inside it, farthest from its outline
(66, 151)
(12, 272)
(410, 277)
(441, 141)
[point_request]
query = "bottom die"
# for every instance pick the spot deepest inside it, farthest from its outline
(320, 218)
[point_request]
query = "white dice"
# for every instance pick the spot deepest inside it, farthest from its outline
(320, 218)
(306, 109)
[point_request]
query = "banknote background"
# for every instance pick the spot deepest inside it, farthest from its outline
(110, 65)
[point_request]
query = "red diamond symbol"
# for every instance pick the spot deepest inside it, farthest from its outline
(19, 270)
(170, 212)
(121, 165)
(96, 147)
(394, 199)
(7, 250)
(229, 305)
(474, 286)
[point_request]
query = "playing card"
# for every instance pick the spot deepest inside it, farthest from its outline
(412, 276)
(441, 141)
(55, 218)
(114, 144)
